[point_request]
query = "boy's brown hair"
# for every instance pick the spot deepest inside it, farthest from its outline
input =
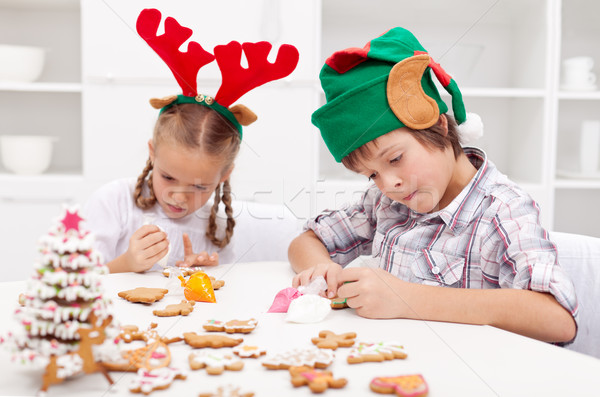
(431, 137)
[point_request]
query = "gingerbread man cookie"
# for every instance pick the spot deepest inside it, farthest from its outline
(157, 379)
(183, 308)
(214, 341)
(403, 385)
(143, 294)
(214, 362)
(381, 351)
(311, 357)
(246, 351)
(329, 340)
(231, 327)
(318, 380)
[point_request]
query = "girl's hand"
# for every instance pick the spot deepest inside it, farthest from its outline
(192, 259)
(329, 270)
(147, 246)
(375, 293)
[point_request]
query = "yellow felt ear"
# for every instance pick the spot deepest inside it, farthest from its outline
(243, 115)
(406, 97)
(159, 103)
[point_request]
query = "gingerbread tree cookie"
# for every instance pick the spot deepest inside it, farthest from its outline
(64, 294)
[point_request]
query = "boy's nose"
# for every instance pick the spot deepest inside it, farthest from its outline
(392, 183)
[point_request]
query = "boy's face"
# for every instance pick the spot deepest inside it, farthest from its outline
(183, 179)
(404, 170)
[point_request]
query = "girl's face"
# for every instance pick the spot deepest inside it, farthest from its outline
(183, 179)
(422, 178)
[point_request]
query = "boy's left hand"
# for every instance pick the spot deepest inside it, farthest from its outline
(192, 259)
(375, 293)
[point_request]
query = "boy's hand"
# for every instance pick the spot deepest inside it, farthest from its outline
(375, 293)
(330, 271)
(192, 259)
(147, 246)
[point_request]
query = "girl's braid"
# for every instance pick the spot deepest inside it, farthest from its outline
(212, 224)
(144, 202)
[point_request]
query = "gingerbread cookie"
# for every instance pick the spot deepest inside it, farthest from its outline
(403, 385)
(216, 283)
(183, 308)
(311, 357)
(318, 380)
(214, 362)
(214, 341)
(231, 327)
(184, 271)
(227, 391)
(143, 294)
(339, 303)
(329, 340)
(246, 351)
(381, 351)
(157, 379)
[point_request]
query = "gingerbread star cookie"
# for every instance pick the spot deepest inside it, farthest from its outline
(231, 327)
(183, 308)
(366, 352)
(403, 385)
(143, 294)
(318, 380)
(330, 340)
(214, 362)
(214, 341)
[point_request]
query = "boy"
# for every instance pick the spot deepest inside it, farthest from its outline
(436, 216)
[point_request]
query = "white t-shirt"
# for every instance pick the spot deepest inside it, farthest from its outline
(112, 216)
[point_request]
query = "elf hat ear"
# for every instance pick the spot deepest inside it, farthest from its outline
(243, 115)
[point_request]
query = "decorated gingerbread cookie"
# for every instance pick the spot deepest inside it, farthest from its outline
(157, 379)
(143, 294)
(247, 351)
(227, 391)
(330, 340)
(318, 380)
(381, 351)
(214, 341)
(184, 271)
(311, 357)
(231, 327)
(403, 385)
(183, 308)
(214, 362)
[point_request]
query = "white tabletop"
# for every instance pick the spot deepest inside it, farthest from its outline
(455, 359)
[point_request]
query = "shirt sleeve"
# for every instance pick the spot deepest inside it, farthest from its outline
(105, 218)
(524, 253)
(347, 233)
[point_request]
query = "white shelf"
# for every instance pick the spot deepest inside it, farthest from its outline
(41, 87)
(579, 95)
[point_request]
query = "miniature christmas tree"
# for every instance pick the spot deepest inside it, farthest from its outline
(63, 295)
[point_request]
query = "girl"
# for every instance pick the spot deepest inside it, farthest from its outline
(165, 215)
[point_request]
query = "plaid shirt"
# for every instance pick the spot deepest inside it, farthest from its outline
(489, 236)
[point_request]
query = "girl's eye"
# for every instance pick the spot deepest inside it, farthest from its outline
(200, 187)
(392, 161)
(167, 177)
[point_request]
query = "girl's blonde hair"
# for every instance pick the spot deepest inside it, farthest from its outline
(196, 127)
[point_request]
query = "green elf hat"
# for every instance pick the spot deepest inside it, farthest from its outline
(236, 81)
(381, 87)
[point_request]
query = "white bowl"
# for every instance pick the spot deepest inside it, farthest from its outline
(21, 64)
(26, 154)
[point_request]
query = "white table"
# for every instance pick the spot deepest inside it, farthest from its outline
(455, 359)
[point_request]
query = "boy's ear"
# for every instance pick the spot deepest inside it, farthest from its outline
(443, 123)
(151, 150)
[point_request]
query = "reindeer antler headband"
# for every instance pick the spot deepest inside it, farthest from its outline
(387, 83)
(236, 80)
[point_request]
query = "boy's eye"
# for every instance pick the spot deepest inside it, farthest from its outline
(394, 160)
(372, 176)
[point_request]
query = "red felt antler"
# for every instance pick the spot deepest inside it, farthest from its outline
(184, 65)
(237, 80)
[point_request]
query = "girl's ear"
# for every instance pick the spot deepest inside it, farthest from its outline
(151, 150)
(443, 123)
(227, 174)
